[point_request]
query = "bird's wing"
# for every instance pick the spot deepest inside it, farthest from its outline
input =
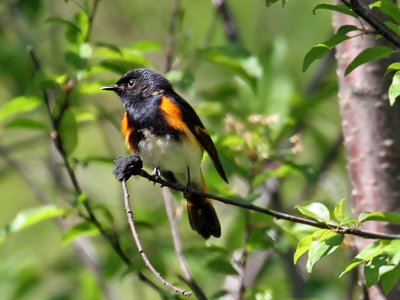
(188, 118)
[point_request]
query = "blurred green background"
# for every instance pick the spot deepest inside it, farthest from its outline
(259, 75)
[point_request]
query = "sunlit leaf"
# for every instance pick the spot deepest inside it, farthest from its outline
(26, 123)
(366, 254)
(394, 89)
(367, 55)
(302, 247)
(390, 217)
(388, 8)
(338, 210)
(354, 264)
(30, 217)
(145, 46)
(19, 105)
(338, 8)
(320, 50)
(393, 67)
(315, 210)
(323, 247)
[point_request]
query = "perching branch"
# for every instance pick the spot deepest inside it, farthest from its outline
(371, 18)
(270, 212)
(135, 235)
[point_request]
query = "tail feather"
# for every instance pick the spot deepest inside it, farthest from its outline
(202, 217)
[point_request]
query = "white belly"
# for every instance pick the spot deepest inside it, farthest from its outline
(168, 154)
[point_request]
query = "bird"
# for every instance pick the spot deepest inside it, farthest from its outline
(164, 130)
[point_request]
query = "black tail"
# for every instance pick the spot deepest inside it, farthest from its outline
(202, 217)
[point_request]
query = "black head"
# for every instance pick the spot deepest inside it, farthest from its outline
(138, 84)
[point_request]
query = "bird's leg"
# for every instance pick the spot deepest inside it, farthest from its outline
(127, 166)
(187, 193)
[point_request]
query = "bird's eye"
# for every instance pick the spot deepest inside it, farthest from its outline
(131, 83)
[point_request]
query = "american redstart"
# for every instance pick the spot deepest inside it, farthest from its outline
(165, 131)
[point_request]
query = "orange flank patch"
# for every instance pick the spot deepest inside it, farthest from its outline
(173, 115)
(127, 130)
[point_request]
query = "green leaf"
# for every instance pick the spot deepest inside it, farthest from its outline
(18, 105)
(145, 46)
(90, 88)
(338, 8)
(237, 60)
(389, 279)
(393, 67)
(338, 211)
(79, 230)
(365, 255)
(70, 25)
(119, 66)
(390, 217)
(25, 123)
(30, 217)
(371, 269)
(323, 247)
(75, 60)
(221, 265)
(315, 210)
(320, 50)
(388, 8)
(302, 247)
(354, 263)
(69, 131)
(368, 55)
(394, 89)
(270, 2)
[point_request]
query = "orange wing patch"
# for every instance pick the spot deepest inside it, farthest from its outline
(173, 116)
(127, 130)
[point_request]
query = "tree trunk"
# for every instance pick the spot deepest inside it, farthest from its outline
(371, 134)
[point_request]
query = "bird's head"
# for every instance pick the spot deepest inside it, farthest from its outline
(139, 84)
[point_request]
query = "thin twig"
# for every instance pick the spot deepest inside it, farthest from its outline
(187, 274)
(91, 19)
(276, 214)
(373, 20)
(171, 36)
(135, 235)
(228, 21)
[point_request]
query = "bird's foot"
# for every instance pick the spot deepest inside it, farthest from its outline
(187, 193)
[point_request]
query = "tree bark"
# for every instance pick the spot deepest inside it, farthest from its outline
(371, 133)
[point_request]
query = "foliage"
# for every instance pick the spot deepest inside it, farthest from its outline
(259, 144)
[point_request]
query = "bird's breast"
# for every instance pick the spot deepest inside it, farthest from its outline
(177, 155)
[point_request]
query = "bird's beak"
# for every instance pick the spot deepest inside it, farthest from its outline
(113, 87)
